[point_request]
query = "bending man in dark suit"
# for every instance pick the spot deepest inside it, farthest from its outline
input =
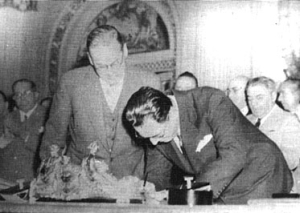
(218, 144)
(91, 100)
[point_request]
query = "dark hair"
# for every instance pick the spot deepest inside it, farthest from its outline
(190, 75)
(104, 33)
(3, 96)
(147, 102)
(262, 80)
(24, 80)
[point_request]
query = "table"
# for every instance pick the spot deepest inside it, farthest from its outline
(254, 206)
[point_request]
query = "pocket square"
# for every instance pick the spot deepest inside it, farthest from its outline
(203, 142)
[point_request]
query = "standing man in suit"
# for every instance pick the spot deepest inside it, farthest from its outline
(280, 126)
(91, 100)
(202, 133)
(236, 91)
(23, 129)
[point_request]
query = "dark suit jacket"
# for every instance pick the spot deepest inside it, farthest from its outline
(80, 102)
(19, 159)
(239, 161)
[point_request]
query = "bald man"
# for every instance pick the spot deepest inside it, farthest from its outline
(236, 92)
(186, 81)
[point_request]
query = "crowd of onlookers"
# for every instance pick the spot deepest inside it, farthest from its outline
(274, 109)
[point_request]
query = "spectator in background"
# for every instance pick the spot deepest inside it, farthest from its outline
(186, 81)
(281, 126)
(289, 96)
(91, 100)
(236, 92)
(23, 128)
(46, 102)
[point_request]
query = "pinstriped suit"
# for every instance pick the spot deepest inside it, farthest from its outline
(239, 161)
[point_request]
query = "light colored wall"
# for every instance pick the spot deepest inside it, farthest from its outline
(219, 40)
(24, 39)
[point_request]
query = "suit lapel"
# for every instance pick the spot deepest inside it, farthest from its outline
(194, 128)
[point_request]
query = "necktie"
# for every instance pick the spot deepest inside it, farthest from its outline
(257, 124)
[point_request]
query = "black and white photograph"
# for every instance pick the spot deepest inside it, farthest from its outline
(165, 106)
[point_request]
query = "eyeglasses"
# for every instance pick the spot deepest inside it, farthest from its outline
(115, 64)
(22, 95)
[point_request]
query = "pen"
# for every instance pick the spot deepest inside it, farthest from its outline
(145, 179)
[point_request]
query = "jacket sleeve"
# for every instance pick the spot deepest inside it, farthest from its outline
(226, 124)
(57, 124)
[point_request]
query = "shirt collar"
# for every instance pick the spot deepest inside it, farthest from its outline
(265, 118)
(28, 114)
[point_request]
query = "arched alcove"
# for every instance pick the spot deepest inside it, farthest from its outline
(149, 28)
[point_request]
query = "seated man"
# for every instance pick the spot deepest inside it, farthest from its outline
(186, 81)
(202, 133)
(280, 126)
(289, 96)
(236, 92)
(24, 127)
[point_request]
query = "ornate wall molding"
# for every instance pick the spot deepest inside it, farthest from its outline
(158, 62)
(158, 66)
(56, 42)
(21, 5)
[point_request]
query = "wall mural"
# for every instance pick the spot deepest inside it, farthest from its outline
(147, 32)
(141, 26)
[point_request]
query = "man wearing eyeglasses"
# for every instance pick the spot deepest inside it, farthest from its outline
(236, 92)
(23, 130)
(202, 133)
(90, 101)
